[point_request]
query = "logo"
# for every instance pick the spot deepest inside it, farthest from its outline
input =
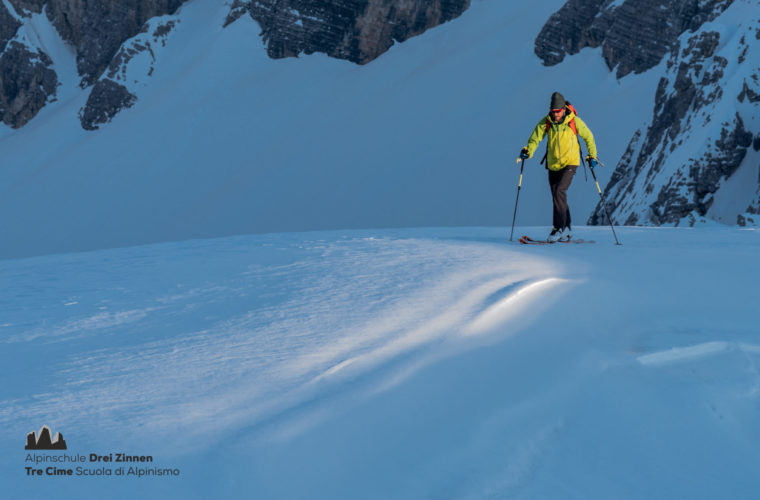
(39, 464)
(43, 441)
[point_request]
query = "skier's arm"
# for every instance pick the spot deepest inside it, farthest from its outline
(538, 134)
(585, 133)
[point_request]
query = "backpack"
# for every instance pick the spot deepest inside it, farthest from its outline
(571, 124)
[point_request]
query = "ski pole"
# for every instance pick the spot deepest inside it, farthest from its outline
(604, 202)
(519, 186)
(580, 153)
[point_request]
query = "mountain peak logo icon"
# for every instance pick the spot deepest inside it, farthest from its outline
(43, 441)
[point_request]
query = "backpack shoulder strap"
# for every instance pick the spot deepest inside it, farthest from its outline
(572, 126)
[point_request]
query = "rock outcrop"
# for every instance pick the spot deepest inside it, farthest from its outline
(356, 30)
(27, 83)
(699, 136)
(111, 93)
(34, 6)
(98, 28)
(634, 34)
(106, 99)
(9, 26)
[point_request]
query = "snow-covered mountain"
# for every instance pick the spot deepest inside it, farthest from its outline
(698, 157)
(107, 35)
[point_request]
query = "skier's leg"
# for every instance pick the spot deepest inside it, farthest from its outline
(559, 196)
(554, 178)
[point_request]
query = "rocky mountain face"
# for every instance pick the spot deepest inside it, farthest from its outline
(111, 92)
(634, 34)
(108, 35)
(27, 81)
(703, 127)
(95, 28)
(356, 30)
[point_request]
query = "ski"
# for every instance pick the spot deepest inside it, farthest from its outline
(527, 240)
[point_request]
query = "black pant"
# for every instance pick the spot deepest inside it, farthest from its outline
(559, 182)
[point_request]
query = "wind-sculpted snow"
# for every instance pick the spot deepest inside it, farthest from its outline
(402, 364)
(270, 324)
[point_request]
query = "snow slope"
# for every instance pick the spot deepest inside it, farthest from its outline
(224, 140)
(421, 363)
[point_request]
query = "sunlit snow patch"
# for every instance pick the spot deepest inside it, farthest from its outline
(511, 306)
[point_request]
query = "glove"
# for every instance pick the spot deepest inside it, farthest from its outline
(592, 162)
(524, 154)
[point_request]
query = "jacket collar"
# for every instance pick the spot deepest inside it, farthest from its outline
(569, 115)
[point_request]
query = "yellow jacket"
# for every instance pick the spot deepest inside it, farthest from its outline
(563, 147)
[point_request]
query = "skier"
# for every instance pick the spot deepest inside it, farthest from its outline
(563, 156)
